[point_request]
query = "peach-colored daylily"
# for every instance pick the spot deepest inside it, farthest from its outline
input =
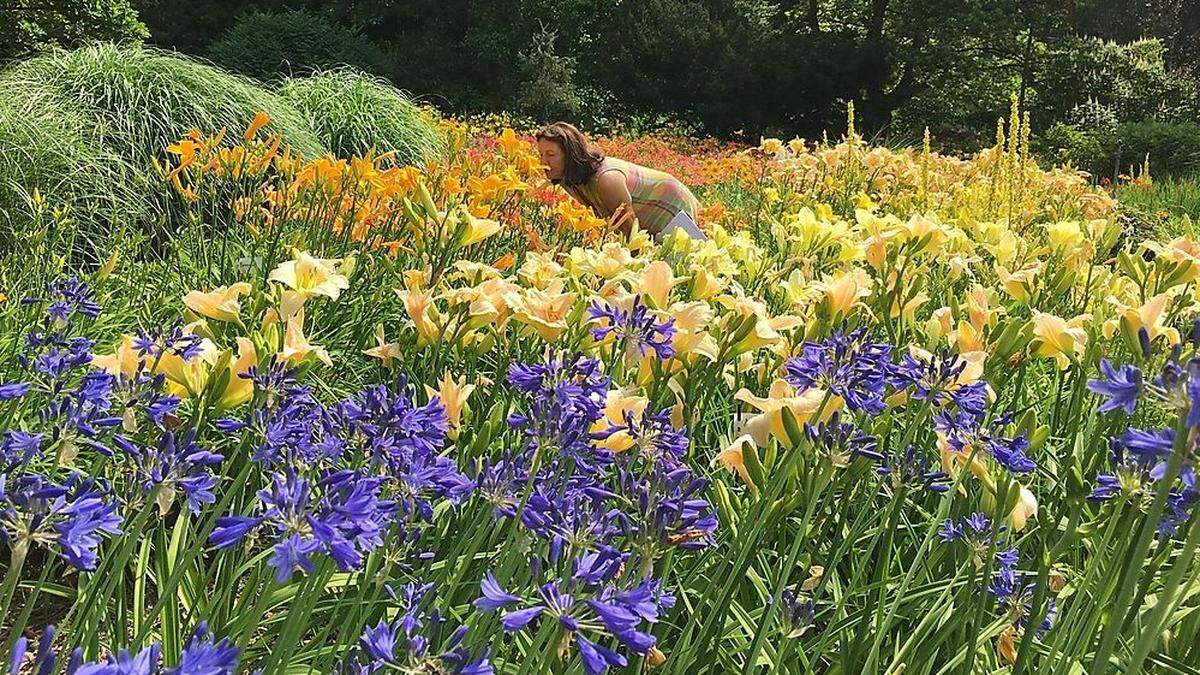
(220, 304)
(453, 394)
(418, 302)
(691, 322)
(385, 351)
(123, 361)
(844, 291)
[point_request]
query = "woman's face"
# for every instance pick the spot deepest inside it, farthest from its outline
(552, 156)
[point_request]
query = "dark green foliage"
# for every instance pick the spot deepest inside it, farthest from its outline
(267, 45)
(28, 27)
(352, 112)
(1172, 149)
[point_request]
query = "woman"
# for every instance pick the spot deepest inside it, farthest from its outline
(619, 191)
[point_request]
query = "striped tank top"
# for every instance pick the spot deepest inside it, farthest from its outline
(657, 196)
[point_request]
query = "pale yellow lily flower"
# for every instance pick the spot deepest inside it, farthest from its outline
(240, 389)
(309, 276)
(296, 347)
(844, 291)
(617, 405)
(655, 282)
(769, 422)
(478, 229)
(1060, 339)
(1149, 316)
(123, 361)
(220, 304)
(545, 311)
(732, 458)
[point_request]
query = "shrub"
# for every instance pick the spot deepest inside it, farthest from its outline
(1173, 149)
(31, 26)
(267, 45)
(352, 112)
(83, 126)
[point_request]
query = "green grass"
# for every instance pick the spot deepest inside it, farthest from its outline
(353, 112)
(1167, 207)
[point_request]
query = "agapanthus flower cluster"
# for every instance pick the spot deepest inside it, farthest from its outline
(935, 379)
(341, 515)
(848, 365)
(637, 330)
(69, 519)
(666, 508)
(966, 433)
(406, 644)
(977, 532)
(201, 655)
(796, 613)
(1139, 458)
(177, 463)
(842, 441)
(654, 437)
(599, 615)
(910, 468)
(566, 395)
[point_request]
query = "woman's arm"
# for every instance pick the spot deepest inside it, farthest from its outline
(615, 195)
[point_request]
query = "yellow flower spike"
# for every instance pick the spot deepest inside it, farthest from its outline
(309, 276)
(1059, 339)
(219, 304)
(617, 405)
(240, 389)
(296, 347)
(453, 394)
(388, 352)
(656, 282)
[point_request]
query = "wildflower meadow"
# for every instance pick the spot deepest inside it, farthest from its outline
(899, 412)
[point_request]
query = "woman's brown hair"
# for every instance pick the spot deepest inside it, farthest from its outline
(582, 158)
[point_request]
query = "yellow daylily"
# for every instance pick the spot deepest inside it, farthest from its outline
(655, 282)
(219, 304)
(418, 302)
(732, 458)
(1058, 338)
(388, 352)
(1149, 316)
(545, 311)
(309, 276)
(478, 229)
(617, 405)
(240, 389)
(845, 290)
(769, 421)
(123, 361)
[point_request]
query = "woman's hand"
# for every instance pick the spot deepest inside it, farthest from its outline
(622, 220)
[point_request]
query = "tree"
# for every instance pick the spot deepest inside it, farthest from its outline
(27, 26)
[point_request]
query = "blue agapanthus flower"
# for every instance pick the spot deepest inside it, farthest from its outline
(966, 433)
(1119, 387)
(342, 515)
(667, 508)
(566, 395)
(70, 518)
(205, 656)
(848, 365)
(936, 380)
(177, 463)
(601, 618)
(842, 441)
(911, 469)
(636, 330)
(407, 644)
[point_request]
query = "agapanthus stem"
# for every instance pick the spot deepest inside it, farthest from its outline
(1137, 553)
(16, 563)
(1152, 631)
